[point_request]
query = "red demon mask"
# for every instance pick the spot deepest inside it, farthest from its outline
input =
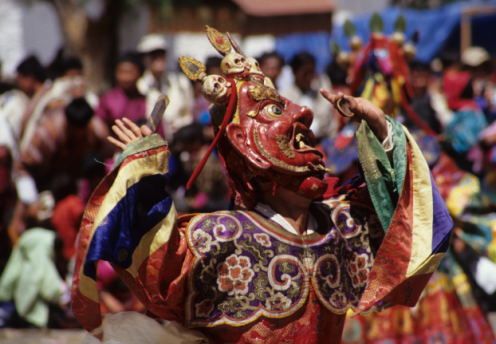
(261, 135)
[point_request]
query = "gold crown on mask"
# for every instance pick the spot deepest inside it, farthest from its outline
(235, 66)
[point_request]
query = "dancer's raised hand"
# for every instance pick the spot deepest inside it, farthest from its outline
(126, 132)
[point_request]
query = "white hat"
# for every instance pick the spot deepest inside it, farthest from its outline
(151, 42)
(475, 56)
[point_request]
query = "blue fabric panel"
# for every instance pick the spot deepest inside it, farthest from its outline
(145, 204)
(442, 222)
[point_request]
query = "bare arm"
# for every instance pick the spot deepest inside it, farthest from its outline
(363, 109)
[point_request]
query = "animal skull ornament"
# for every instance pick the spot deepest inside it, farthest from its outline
(216, 88)
(233, 63)
(253, 66)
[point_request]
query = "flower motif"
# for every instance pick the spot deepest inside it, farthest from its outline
(358, 269)
(263, 239)
(204, 308)
(234, 275)
(338, 300)
(202, 241)
(278, 302)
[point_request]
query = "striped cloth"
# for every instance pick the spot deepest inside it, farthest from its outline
(416, 222)
(128, 217)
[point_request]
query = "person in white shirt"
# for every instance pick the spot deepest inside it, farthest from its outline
(305, 92)
(158, 80)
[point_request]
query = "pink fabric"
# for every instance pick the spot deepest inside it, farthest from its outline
(489, 131)
(105, 274)
(115, 104)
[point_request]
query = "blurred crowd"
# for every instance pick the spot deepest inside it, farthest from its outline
(53, 152)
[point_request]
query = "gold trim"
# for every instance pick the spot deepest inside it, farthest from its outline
(192, 68)
(284, 146)
(261, 92)
(218, 40)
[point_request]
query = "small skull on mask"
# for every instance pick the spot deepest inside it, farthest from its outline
(254, 66)
(216, 88)
(233, 63)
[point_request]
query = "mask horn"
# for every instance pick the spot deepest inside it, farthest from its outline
(219, 41)
(192, 68)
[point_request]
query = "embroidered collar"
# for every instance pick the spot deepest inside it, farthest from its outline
(267, 212)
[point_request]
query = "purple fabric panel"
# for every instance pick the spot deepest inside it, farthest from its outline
(442, 222)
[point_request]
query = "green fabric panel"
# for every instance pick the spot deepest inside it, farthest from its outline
(143, 144)
(384, 177)
(30, 278)
(400, 162)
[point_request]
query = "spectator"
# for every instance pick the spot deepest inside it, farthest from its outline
(305, 92)
(67, 214)
(13, 104)
(71, 66)
(30, 76)
(210, 191)
(421, 100)
(158, 80)
(212, 65)
(271, 64)
(62, 141)
(124, 100)
(9, 206)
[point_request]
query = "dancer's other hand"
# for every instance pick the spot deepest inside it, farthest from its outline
(126, 132)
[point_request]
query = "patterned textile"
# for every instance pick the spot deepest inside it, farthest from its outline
(238, 269)
(259, 270)
(446, 313)
(128, 217)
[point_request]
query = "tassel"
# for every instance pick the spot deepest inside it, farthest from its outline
(231, 106)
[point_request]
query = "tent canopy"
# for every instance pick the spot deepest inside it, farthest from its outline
(438, 29)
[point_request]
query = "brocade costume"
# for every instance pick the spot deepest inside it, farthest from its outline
(239, 276)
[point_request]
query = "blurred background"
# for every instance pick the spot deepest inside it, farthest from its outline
(69, 68)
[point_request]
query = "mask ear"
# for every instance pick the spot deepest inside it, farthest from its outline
(236, 134)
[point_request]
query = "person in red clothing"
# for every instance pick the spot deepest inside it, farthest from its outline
(67, 214)
(124, 100)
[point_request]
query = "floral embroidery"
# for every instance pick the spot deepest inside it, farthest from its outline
(278, 302)
(234, 275)
(263, 239)
(338, 299)
(202, 241)
(344, 221)
(328, 270)
(243, 271)
(358, 269)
